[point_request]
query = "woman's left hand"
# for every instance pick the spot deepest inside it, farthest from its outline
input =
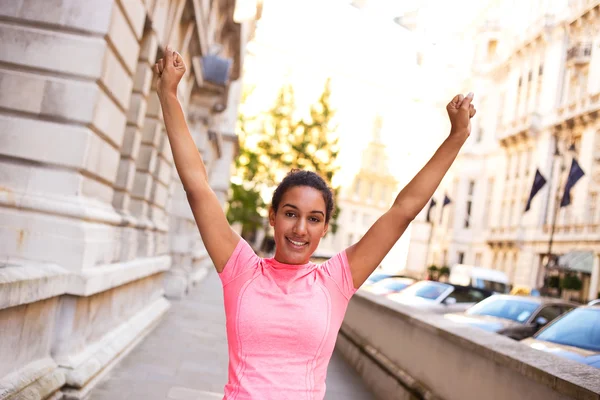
(460, 110)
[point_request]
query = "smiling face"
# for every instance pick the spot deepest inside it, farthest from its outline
(299, 224)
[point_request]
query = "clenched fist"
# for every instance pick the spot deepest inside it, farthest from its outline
(170, 70)
(460, 110)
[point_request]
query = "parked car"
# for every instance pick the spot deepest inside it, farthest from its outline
(517, 317)
(390, 285)
(594, 302)
(575, 335)
(478, 277)
(438, 297)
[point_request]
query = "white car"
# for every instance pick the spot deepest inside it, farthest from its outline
(439, 298)
(594, 303)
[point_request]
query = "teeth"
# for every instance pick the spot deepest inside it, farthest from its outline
(297, 243)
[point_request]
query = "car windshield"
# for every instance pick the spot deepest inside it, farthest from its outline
(491, 285)
(516, 310)
(426, 290)
(578, 328)
(394, 284)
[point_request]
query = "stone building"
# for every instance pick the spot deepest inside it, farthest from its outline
(535, 75)
(94, 225)
(370, 195)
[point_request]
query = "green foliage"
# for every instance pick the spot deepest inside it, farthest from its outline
(274, 142)
(554, 282)
(571, 282)
(444, 271)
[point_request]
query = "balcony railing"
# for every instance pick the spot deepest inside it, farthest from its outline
(579, 53)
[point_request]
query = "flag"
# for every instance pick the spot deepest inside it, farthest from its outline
(432, 204)
(446, 200)
(538, 183)
(575, 174)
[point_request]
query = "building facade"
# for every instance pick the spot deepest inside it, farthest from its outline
(370, 194)
(535, 75)
(94, 224)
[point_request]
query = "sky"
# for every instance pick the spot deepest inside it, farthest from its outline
(372, 62)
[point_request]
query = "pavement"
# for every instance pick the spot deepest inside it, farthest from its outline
(185, 357)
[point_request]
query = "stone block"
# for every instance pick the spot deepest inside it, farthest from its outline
(29, 282)
(102, 159)
(88, 16)
(131, 142)
(137, 110)
(94, 189)
(142, 81)
(20, 179)
(138, 206)
(109, 119)
(69, 99)
(26, 332)
(147, 158)
(121, 203)
(149, 48)
(165, 150)
(21, 91)
(52, 51)
(159, 194)
(123, 39)
(163, 172)
(154, 110)
(159, 20)
(142, 185)
(152, 132)
(135, 13)
(125, 174)
(117, 79)
(27, 139)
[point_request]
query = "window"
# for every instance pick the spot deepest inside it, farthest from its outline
(488, 203)
(469, 204)
(518, 166)
(549, 312)
(461, 257)
(592, 210)
(478, 257)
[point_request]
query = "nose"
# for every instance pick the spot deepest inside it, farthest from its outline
(300, 227)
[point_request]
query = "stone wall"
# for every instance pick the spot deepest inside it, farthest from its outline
(403, 353)
(94, 223)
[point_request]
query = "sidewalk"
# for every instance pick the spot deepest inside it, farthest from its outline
(185, 357)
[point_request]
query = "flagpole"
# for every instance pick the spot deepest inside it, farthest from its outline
(557, 207)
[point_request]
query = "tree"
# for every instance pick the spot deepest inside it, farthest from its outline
(273, 143)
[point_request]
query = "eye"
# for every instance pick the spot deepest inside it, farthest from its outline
(290, 214)
(314, 219)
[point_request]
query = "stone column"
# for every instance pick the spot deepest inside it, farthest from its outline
(75, 294)
(595, 281)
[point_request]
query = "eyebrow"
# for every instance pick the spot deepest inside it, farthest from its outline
(296, 208)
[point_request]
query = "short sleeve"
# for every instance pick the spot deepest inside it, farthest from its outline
(338, 269)
(242, 259)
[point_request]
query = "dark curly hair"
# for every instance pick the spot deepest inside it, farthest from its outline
(299, 177)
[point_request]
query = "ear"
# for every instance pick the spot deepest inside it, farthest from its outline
(325, 230)
(272, 216)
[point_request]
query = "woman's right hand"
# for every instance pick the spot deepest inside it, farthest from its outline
(169, 69)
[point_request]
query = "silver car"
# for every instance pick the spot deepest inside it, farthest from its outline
(438, 297)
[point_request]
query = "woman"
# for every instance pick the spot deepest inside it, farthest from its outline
(283, 313)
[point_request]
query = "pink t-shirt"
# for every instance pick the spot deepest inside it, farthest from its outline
(282, 323)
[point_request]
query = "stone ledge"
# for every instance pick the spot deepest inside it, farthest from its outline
(564, 376)
(36, 380)
(80, 369)
(22, 284)
(28, 282)
(101, 278)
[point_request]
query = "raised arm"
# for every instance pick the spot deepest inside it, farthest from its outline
(218, 237)
(367, 254)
